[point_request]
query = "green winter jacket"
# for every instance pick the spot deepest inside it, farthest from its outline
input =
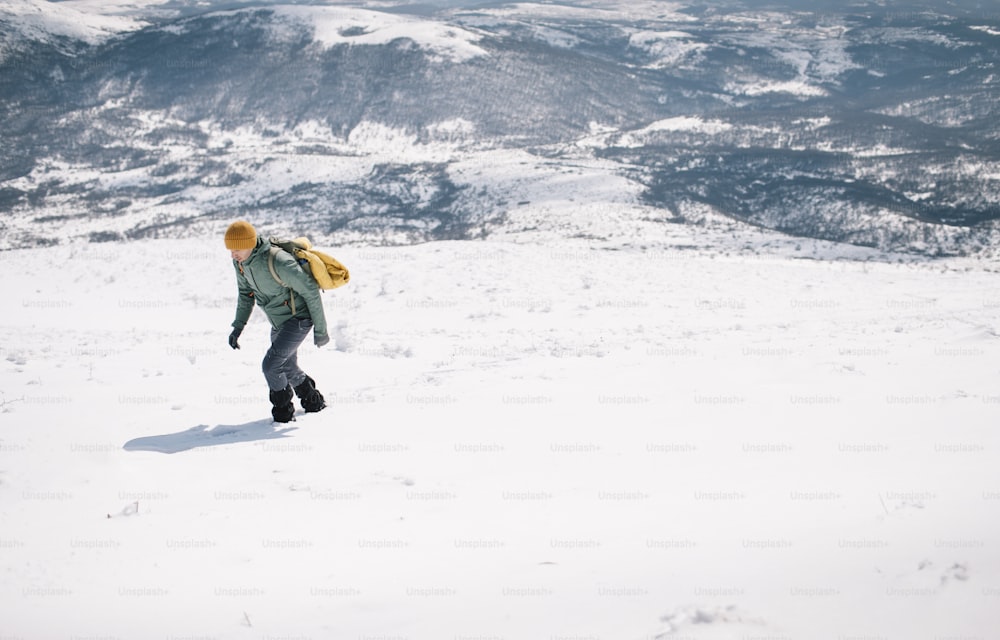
(255, 283)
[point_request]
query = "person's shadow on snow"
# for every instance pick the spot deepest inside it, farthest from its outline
(203, 436)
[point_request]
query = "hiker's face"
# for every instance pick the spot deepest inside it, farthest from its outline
(241, 255)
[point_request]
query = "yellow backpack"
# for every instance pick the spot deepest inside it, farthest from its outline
(326, 270)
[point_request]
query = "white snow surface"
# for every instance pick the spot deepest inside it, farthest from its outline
(763, 87)
(668, 48)
(986, 29)
(680, 123)
(703, 436)
(347, 25)
(46, 21)
(591, 9)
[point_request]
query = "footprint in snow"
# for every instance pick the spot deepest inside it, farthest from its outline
(131, 509)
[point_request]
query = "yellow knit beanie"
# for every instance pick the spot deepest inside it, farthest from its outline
(241, 235)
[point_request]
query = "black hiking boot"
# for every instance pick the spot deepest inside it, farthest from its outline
(312, 400)
(283, 409)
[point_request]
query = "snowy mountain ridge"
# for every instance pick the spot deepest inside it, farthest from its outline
(391, 123)
(57, 25)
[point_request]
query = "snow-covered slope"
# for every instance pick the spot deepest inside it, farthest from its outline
(709, 437)
(336, 26)
(55, 22)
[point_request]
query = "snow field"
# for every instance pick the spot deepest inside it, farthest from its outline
(525, 439)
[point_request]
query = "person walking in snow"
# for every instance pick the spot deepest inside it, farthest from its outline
(292, 311)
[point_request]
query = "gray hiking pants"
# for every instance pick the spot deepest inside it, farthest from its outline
(280, 365)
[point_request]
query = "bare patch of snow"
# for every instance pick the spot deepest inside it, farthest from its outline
(762, 87)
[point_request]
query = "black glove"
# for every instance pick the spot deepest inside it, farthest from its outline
(234, 338)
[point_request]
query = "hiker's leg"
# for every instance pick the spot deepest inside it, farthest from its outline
(280, 364)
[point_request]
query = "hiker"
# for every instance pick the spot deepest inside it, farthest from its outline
(292, 311)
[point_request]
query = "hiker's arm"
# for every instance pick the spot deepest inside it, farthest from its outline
(244, 301)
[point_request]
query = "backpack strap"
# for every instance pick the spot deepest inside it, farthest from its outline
(270, 265)
(274, 273)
